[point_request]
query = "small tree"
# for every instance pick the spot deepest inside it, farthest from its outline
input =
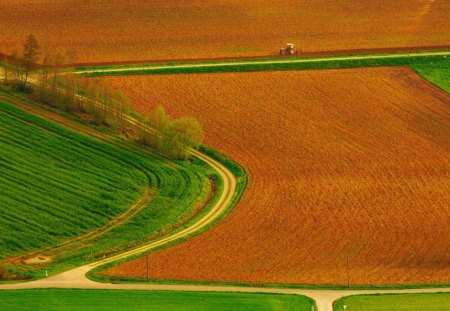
(189, 134)
(160, 118)
(168, 142)
(30, 55)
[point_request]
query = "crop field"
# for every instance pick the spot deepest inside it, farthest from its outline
(119, 30)
(58, 184)
(67, 300)
(405, 302)
(343, 164)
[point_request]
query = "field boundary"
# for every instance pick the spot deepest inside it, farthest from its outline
(268, 64)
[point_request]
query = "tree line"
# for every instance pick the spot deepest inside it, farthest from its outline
(101, 104)
(172, 137)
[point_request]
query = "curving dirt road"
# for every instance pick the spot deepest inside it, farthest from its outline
(76, 278)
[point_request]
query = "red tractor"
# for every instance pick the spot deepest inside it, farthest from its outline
(290, 50)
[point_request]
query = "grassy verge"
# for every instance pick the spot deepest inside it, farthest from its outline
(395, 55)
(96, 276)
(397, 302)
(179, 188)
(67, 300)
(295, 63)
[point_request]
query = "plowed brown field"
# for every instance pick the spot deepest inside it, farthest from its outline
(120, 30)
(343, 163)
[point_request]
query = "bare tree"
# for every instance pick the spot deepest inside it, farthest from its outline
(46, 61)
(57, 62)
(30, 55)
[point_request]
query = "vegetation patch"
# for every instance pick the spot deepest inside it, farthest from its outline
(437, 72)
(99, 300)
(56, 183)
(397, 302)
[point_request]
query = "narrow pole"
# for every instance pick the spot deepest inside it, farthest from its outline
(147, 268)
(348, 273)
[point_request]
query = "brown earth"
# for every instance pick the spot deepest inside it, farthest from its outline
(343, 163)
(118, 30)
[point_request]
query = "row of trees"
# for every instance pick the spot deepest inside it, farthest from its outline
(56, 87)
(98, 101)
(172, 137)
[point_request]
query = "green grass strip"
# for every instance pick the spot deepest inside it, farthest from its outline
(397, 302)
(122, 300)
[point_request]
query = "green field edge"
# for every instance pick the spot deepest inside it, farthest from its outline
(339, 303)
(241, 185)
(237, 299)
(104, 279)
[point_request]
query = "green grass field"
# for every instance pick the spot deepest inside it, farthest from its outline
(400, 302)
(437, 73)
(110, 300)
(57, 183)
